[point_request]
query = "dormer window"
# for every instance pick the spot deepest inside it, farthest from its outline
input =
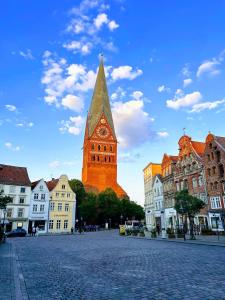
(63, 187)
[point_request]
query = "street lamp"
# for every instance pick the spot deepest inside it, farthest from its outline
(121, 219)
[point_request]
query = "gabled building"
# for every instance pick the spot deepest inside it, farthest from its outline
(169, 189)
(62, 205)
(214, 161)
(15, 182)
(150, 171)
(189, 173)
(100, 142)
(158, 202)
(39, 206)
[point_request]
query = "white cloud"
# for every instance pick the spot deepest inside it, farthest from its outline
(163, 88)
(113, 25)
(163, 134)
(185, 71)
(74, 125)
(79, 47)
(184, 101)
(137, 95)
(25, 124)
(26, 54)
(100, 20)
(132, 123)
(187, 82)
(73, 102)
(209, 67)
(125, 72)
(206, 105)
(57, 164)
(10, 146)
(119, 94)
(10, 107)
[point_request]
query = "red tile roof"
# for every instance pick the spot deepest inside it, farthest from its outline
(34, 183)
(14, 175)
(51, 184)
(199, 147)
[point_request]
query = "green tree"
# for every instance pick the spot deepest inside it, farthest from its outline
(4, 200)
(89, 208)
(188, 205)
(78, 188)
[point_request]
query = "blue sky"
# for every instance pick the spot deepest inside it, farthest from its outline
(164, 62)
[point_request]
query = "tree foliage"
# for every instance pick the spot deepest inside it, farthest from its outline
(4, 200)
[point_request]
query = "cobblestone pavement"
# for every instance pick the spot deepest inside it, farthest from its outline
(103, 265)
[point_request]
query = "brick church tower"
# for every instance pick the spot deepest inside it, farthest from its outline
(100, 144)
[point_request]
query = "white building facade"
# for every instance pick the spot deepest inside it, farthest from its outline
(15, 183)
(39, 206)
(158, 202)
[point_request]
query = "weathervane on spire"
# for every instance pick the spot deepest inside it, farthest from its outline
(101, 57)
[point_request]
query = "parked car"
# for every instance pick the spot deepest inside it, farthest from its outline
(16, 233)
(133, 224)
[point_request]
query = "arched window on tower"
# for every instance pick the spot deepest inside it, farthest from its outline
(111, 149)
(93, 157)
(93, 147)
(105, 159)
(98, 158)
(99, 147)
(109, 159)
(104, 148)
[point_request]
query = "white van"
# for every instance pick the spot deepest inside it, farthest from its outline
(131, 224)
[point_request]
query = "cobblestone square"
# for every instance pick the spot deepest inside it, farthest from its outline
(103, 265)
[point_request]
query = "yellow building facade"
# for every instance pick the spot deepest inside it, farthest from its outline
(62, 206)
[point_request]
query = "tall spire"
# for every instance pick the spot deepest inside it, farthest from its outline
(100, 102)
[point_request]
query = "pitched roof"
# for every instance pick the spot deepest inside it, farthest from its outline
(100, 103)
(14, 175)
(34, 183)
(51, 184)
(199, 147)
(221, 140)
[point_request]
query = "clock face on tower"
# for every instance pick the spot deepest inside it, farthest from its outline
(103, 131)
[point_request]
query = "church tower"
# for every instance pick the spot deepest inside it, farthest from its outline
(100, 143)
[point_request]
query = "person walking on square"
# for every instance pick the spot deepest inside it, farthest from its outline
(71, 230)
(158, 229)
(33, 231)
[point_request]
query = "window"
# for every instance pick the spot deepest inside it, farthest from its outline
(42, 196)
(215, 185)
(65, 224)
(63, 187)
(41, 187)
(42, 207)
(111, 148)
(218, 156)
(22, 190)
(22, 200)
(109, 159)
(35, 196)
(50, 224)
(214, 170)
(93, 147)
(12, 189)
(9, 213)
(68, 195)
(34, 207)
(208, 156)
(59, 206)
(57, 194)
(93, 157)
(203, 197)
(221, 170)
(66, 207)
(104, 148)
(105, 159)
(58, 224)
(97, 158)
(211, 186)
(212, 155)
(52, 206)
(194, 182)
(99, 147)
(215, 202)
(20, 212)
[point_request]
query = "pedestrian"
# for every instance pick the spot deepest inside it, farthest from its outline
(185, 230)
(33, 231)
(158, 228)
(71, 230)
(37, 230)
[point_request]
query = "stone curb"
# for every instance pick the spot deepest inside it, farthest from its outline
(187, 242)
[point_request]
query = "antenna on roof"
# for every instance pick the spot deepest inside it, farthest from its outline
(184, 131)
